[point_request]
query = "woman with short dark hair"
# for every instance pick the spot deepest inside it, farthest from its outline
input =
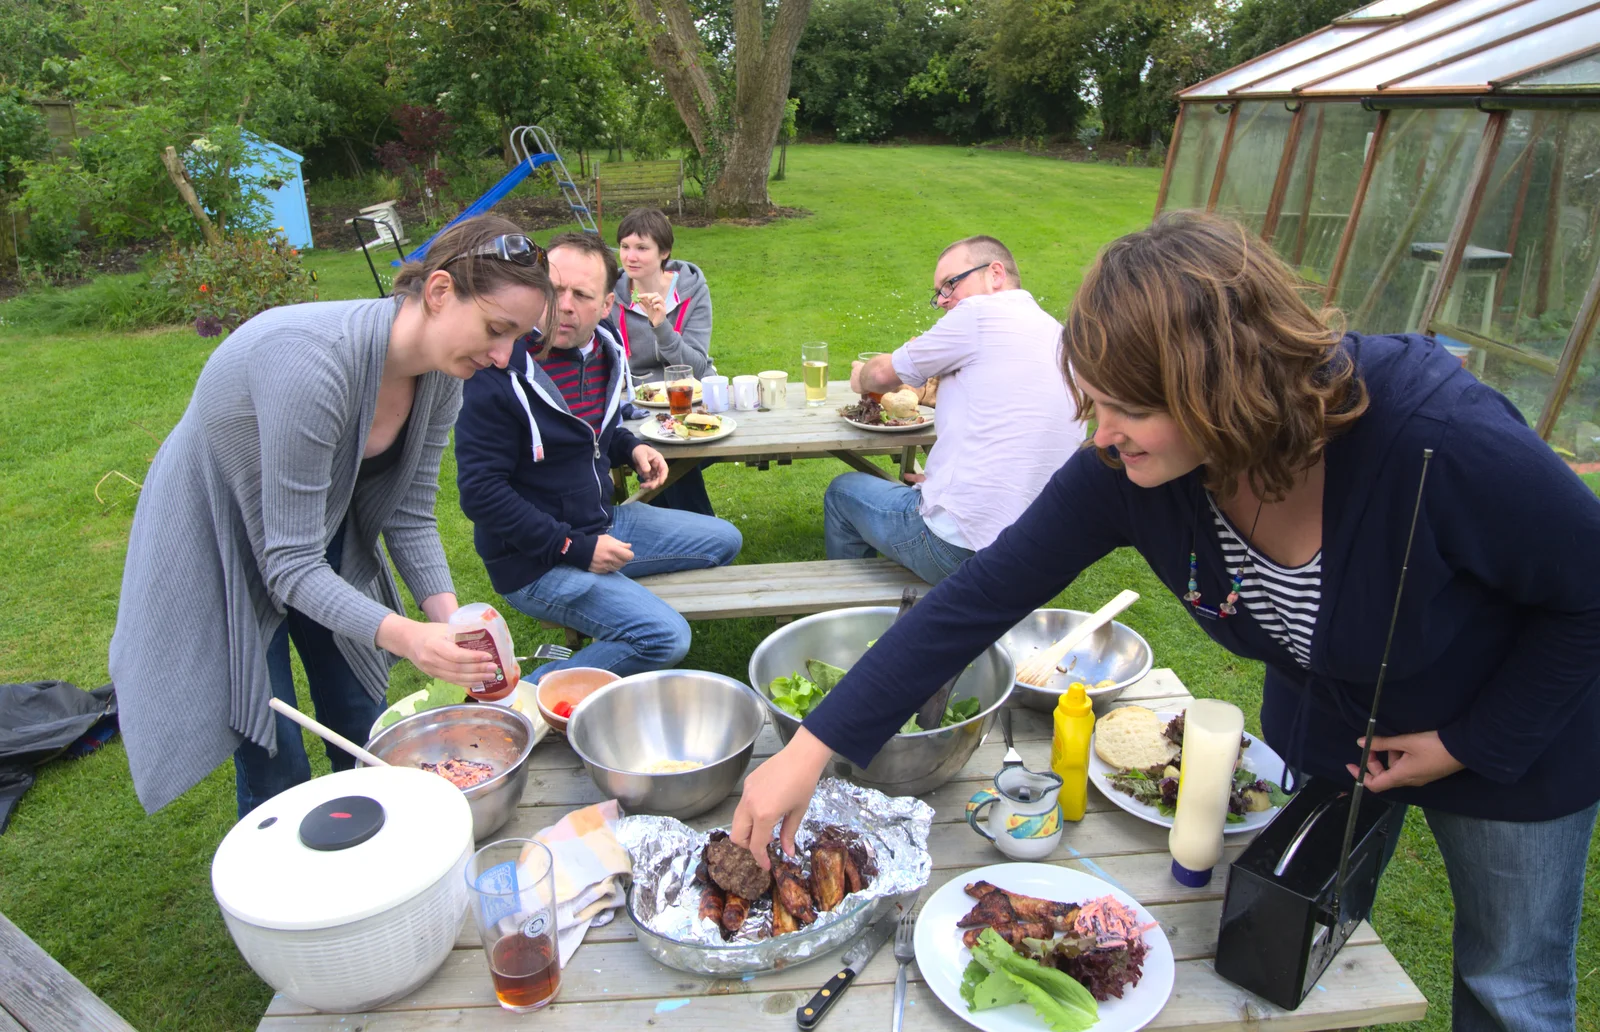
(1267, 467)
(313, 431)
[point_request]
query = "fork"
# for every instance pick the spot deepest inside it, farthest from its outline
(547, 652)
(905, 951)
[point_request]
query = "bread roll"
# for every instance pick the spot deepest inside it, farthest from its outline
(1131, 738)
(900, 404)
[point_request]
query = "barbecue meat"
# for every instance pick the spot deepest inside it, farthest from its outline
(827, 875)
(1013, 933)
(734, 912)
(991, 911)
(712, 903)
(734, 868)
(782, 921)
(789, 887)
(1058, 916)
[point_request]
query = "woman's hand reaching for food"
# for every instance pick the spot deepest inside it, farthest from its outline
(1415, 759)
(777, 792)
(432, 648)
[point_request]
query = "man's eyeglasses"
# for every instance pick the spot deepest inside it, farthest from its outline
(944, 292)
(514, 248)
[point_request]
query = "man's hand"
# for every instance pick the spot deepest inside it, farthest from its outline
(654, 305)
(855, 376)
(779, 791)
(610, 555)
(1414, 760)
(913, 478)
(651, 467)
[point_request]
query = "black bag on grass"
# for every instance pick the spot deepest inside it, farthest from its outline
(42, 720)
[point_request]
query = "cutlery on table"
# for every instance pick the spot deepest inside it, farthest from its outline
(547, 652)
(855, 958)
(905, 951)
(1041, 668)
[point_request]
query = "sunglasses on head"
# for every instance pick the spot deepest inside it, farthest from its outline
(512, 247)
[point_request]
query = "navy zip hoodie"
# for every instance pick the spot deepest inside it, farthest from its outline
(1498, 642)
(535, 480)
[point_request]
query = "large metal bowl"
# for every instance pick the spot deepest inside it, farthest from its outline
(1116, 652)
(497, 735)
(627, 725)
(908, 764)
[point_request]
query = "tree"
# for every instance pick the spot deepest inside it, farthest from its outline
(1262, 25)
(855, 60)
(733, 116)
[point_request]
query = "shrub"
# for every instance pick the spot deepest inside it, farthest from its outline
(222, 285)
(111, 304)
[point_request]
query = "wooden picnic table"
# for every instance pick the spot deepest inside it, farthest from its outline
(611, 983)
(796, 431)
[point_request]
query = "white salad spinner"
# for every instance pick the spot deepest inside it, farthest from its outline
(346, 892)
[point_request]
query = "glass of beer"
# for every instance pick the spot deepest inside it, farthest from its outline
(864, 358)
(513, 898)
(680, 389)
(814, 371)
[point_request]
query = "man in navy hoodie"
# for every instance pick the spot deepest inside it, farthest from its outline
(535, 444)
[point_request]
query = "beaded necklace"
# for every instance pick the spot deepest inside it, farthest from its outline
(1230, 604)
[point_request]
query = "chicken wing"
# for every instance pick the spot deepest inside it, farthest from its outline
(789, 887)
(1059, 916)
(782, 921)
(827, 875)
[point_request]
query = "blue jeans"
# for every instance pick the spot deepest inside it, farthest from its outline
(1518, 889)
(864, 515)
(633, 630)
(341, 702)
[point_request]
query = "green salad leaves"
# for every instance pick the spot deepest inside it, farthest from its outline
(797, 695)
(999, 976)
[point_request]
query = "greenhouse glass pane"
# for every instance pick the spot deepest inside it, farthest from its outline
(1532, 253)
(1577, 428)
(1511, 56)
(1387, 9)
(1196, 162)
(1258, 141)
(1585, 71)
(1366, 78)
(1417, 185)
(1322, 186)
(1389, 38)
(1304, 50)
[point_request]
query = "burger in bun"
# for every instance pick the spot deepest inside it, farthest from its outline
(701, 424)
(900, 404)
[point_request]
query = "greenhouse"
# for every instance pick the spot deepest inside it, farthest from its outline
(1431, 167)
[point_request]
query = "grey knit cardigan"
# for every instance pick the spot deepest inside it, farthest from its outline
(233, 523)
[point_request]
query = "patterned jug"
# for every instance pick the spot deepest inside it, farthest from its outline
(1025, 823)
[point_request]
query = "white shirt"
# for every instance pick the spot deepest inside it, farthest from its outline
(1005, 419)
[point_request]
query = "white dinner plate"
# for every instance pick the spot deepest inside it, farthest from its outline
(662, 385)
(879, 428)
(1258, 758)
(943, 959)
(651, 430)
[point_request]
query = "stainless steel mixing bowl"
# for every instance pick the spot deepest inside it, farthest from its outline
(1116, 652)
(908, 764)
(496, 735)
(626, 726)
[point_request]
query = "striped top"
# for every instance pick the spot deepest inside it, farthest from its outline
(582, 375)
(1283, 600)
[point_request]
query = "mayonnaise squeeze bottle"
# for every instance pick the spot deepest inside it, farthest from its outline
(1211, 732)
(1069, 750)
(480, 628)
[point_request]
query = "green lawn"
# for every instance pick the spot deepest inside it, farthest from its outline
(124, 900)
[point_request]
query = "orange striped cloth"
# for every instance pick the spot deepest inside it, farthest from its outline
(588, 863)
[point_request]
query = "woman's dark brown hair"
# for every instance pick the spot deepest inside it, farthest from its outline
(476, 274)
(1198, 318)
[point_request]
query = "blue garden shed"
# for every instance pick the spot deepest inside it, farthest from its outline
(285, 190)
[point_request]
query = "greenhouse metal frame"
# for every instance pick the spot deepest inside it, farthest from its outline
(1429, 167)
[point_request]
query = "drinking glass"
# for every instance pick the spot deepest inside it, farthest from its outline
(680, 389)
(814, 371)
(864, 358)
(513, 898)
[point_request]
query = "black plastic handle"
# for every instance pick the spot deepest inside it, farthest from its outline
(808, 1016)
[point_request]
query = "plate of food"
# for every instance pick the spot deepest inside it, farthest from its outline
(893, 413)
(654, 393)
(1134, 758)
(695, 428)
(1025, 947)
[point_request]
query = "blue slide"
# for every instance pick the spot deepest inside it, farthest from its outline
(494, 195)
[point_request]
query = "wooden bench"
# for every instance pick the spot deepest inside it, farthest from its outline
(635, 184)
(777, 589)
(39, 995)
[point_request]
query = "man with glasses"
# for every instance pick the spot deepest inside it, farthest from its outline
(1006, 421)
(535, 444)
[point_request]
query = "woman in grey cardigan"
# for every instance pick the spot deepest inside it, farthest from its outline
(313, 430)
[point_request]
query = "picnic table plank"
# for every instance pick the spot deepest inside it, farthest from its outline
(1364, 985)
(39, 994)
(783, 589)
(8, 1023)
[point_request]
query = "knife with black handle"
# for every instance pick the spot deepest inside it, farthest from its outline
(854, 960)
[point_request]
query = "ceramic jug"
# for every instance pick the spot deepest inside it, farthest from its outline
(1025, 822)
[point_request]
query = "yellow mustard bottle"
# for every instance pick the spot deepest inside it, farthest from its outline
(1069, 749)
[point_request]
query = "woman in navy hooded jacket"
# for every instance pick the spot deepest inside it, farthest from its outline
(1243, 445)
